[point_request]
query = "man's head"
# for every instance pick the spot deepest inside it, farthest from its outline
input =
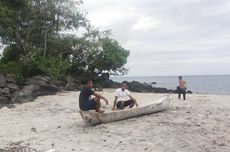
(123, 86)
(87, 82)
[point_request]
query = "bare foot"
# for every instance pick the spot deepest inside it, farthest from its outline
(100, 111)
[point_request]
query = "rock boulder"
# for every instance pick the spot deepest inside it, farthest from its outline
(39, 80)
(2, 81)
(5, 92)
(12, 87)
(4, 100)
(28, 93)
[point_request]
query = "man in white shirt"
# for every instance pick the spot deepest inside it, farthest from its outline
(123, 98)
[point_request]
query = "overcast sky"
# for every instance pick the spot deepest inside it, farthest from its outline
(168, 37)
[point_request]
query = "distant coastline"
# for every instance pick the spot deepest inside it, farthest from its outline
(204, 84)
(172, 75)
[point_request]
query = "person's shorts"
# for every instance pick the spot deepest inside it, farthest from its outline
(181, 90)
(126, 103)
(90, 105)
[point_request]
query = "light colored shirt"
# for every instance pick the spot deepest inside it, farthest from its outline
(122, 95)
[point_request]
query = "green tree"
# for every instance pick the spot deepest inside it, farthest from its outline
(31, 23)
(112, 58)
(40, 34)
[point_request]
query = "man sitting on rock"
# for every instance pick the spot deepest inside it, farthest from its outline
(123, 98)
(85, 101)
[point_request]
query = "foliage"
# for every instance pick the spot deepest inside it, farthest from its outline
(112, 58)
(20, 79)
(53, 67)
(11, 68)
(26, 23)
(43, 37)
(14, 70)
(30, 65)
(10, 53)
(97, 53)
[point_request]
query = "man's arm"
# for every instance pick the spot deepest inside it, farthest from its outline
(114, 103)
(100, 96)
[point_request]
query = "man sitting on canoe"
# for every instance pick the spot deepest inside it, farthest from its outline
(123, 98)
(85, 101)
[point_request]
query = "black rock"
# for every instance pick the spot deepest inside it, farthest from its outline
(4, 100)
(136, 86)
(189, 92)
(5, 92)
(72, 87)
(39, 80)
(2, 81)
(27, 94)
(110, 84)
(47, 90)
(12, 87)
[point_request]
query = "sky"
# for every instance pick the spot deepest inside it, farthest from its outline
(168, 37)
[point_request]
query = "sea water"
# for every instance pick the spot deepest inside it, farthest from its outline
(205, 84)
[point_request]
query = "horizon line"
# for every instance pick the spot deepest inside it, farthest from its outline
(172, 75)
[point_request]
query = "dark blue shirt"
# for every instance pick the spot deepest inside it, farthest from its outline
(84, 97)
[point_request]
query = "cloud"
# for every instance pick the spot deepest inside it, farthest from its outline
(105, 18)
(145, 24)
(167, 34)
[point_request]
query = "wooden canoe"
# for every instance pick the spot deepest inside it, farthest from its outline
(92, 117)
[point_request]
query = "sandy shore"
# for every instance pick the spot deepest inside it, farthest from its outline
(52, 123)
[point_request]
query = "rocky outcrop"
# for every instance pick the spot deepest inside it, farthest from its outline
(12, 87)
(110, 84)
(38, 86)
(39, 80)
(44, 84)
(143, 87)
(73, 84)
(28, 93)
(72, 87)
(10, 92)
(4, 91)
(4, 100)
(2, 81)
(136, 86)
(153, 83)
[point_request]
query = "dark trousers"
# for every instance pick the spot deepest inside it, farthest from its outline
(126, 103)
(181, 91)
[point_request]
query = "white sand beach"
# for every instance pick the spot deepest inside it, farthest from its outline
(53, 123)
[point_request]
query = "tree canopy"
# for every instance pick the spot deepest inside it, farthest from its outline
(55, 38)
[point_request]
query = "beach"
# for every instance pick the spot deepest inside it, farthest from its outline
(53, 123)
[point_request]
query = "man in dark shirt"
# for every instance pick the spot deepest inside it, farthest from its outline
(85, 101)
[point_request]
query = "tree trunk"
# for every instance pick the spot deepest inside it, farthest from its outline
(45, 44)
(19, 41)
